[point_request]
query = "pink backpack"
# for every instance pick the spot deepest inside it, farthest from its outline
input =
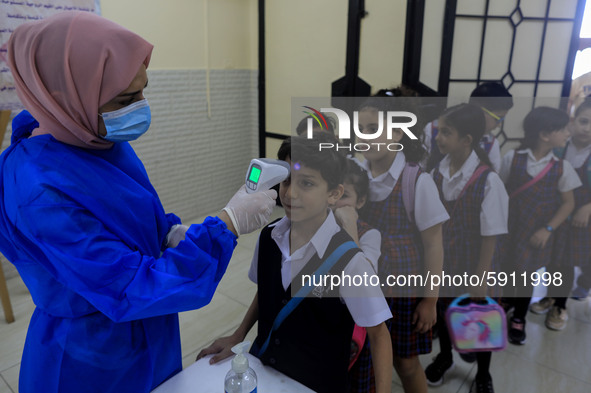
(357, 341)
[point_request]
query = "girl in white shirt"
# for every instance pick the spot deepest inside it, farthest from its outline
(478, 205)
(575, 236)
(369, 240)
(411, 240)
(540, 187)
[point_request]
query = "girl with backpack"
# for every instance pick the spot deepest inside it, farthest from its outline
(411, 243)
(477, 203)
(540, 187)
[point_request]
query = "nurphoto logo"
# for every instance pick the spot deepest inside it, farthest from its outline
(344, 129)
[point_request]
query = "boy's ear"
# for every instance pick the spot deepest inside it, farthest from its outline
(335, 194)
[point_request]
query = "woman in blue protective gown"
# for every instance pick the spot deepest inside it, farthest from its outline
(108, 270)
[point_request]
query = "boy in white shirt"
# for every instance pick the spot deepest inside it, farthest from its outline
(313, 343)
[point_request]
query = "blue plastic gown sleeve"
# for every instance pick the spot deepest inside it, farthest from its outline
(117, 280)
(85, 229)
(23, 125)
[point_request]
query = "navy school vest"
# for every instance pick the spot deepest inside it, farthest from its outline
(313, 344)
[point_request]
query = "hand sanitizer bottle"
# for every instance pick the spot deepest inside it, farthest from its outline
(241, 378)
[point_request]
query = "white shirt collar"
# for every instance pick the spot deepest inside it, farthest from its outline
(394, 171)
(466, 170)
(546, 158)
(319, 241)
(576, 149)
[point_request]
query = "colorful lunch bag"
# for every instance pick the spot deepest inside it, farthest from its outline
(476, 326)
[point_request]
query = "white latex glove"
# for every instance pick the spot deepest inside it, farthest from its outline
(250, 212)
(176, 235)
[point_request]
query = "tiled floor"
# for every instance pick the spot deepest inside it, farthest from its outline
(549, 362)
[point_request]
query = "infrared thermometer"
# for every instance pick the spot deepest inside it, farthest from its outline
(264, 173)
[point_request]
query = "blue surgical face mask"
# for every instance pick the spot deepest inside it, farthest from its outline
(129, 123)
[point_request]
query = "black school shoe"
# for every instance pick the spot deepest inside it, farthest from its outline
(468, 357)
(483, 385)
(437, 370)
(516, 332)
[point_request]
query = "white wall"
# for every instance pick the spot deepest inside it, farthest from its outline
(177, 28)
(203, 94)
(306, 48)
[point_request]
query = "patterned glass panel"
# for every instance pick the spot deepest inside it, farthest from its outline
(524, 45)
(555, 52)
(563, 9)
(497, 49)
(550, 90)
(528, 43)
(503, 7)
(471, 7)
(533, 8)
(466, 48)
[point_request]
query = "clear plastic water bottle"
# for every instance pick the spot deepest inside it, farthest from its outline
(241, 378)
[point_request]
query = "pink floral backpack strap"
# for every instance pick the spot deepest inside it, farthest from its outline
(534, 180)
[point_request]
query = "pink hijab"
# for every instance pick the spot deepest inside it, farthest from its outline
(67, 66)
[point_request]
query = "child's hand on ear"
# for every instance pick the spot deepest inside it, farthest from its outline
(540, 238)
(346, 217)
(581, 216)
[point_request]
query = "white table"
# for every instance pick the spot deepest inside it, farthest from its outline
(202, 377)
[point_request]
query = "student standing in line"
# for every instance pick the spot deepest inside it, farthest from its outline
(313, 343)
(540, 187)
(574, 246)
(580, 90)
(478, 205)
(411, 243)
(495, 102)
(369, 240)
(348, 208)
